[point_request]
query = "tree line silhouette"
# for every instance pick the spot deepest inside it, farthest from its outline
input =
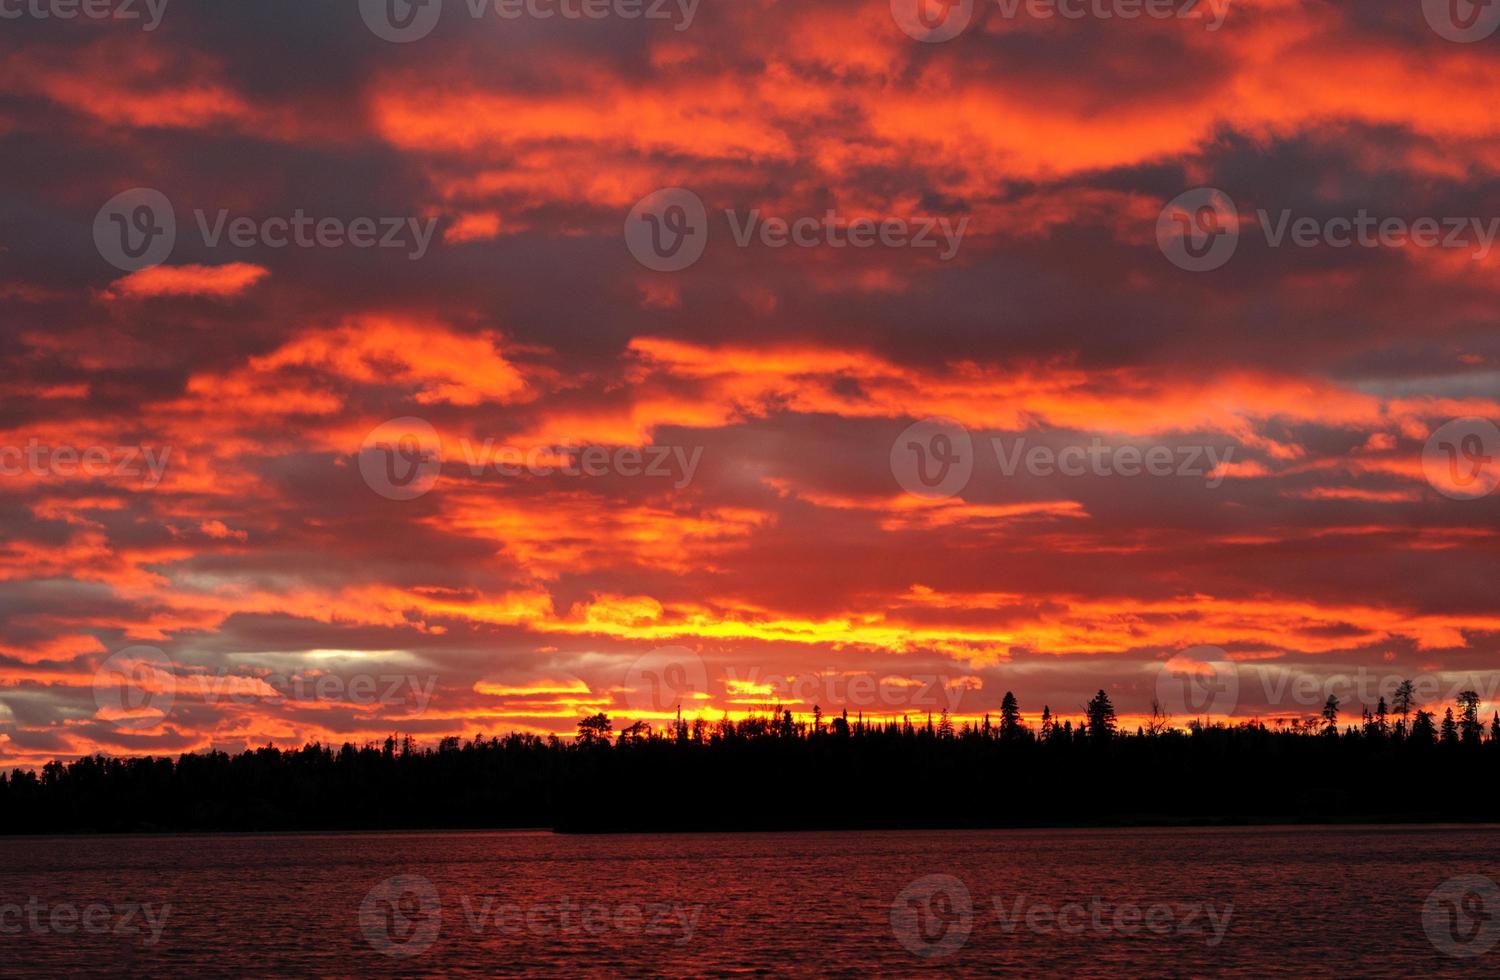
(775, 771)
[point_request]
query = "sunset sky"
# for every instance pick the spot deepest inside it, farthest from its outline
(778, 538)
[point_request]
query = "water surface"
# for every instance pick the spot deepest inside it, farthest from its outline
(1242, 902)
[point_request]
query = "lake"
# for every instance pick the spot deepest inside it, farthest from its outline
(1370, 901)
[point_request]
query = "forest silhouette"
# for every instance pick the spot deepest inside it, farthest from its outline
(774, 771)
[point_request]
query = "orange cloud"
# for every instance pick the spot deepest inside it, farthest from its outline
(219, 281)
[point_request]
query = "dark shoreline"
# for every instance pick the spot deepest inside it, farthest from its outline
(1141, 823)
(749, 778)
(1390, 821)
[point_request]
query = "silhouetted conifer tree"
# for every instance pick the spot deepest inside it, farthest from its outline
(1010, 717)
(1422, 731)
(1101, 715)
(1404, 701)
(1331, 715)
(1470, 729)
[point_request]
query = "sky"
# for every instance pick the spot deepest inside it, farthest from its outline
(437, 370)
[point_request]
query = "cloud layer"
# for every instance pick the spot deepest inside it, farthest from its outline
(619, 459)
